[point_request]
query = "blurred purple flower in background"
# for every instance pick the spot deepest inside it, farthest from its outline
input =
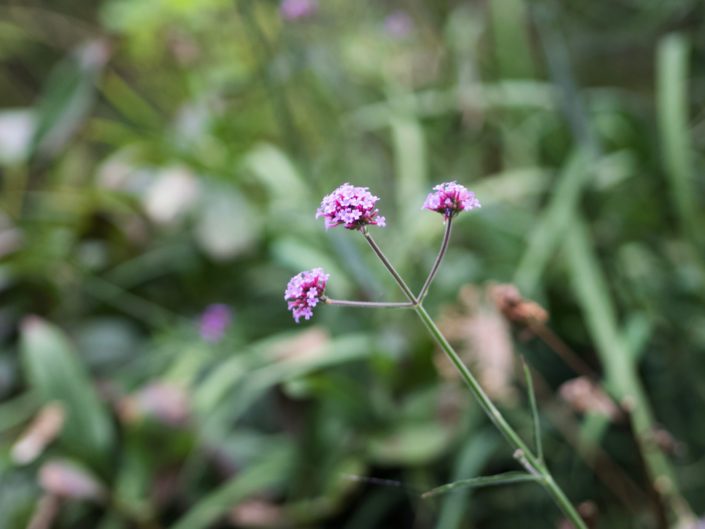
(214, 321)
(398, 24)
(297, 9)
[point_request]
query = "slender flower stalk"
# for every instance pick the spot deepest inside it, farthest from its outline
(437, 262)
(368, 304)
(377, 250)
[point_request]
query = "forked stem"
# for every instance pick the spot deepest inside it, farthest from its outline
(531, 462)
(528, 459)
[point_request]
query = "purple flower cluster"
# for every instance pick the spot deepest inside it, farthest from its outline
(451, 198)
(214, 321)
(353, 207)
(304, 291)
(297, 9)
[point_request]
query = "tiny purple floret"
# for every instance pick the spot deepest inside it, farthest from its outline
(214, 321)
(304, 291)
(297, 9)
(353, 207)
(450, 198)
(398, 24)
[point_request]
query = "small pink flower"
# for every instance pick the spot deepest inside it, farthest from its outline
(297, 9)
(304, 291)
(399, 24)
(353, 207)
(451, 198)
(214, 322)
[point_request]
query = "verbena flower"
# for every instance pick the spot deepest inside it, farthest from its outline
(304, 291)
(353, 207)
(214, 321)
(297, 9)
(451, 198)
(398, 24)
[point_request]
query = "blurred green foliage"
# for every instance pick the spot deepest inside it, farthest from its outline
(159, 156)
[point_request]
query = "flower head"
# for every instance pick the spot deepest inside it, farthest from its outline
(297, 9)
(214, 321)
(353, 207)
(304, 291)
(450, 198)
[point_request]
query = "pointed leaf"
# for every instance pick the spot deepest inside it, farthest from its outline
(55, 373)
(482, 481)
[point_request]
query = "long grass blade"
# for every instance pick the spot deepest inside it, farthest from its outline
(593, 295)
(672, 81)
(512, 44)
(548, 231)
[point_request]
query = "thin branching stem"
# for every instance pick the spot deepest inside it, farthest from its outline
(437, 262)
(377, 250)
(533, 463)
(368, 304)
(530, 461)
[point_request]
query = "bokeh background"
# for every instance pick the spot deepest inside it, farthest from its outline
(161, 164)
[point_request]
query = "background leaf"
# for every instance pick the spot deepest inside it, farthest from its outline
(56, 374)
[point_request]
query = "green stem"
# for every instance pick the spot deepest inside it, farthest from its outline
(437, 262)
(377, 250)
(368, 304)
(523, 453)
(532, 463)
(485, 403)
